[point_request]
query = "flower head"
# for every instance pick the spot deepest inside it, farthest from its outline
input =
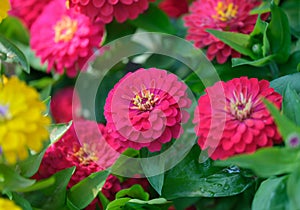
(85, 146)
(146, 109)
(8, 204)
(70, 38)
(22, 123)
(4, 7)
(63, 103)
(106, 10)
(223, 15)
(174, 8)
(231, 117)
(28, 11)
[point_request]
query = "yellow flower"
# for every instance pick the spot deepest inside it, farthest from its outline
(8, 204)
(22, 124)
(4, 7)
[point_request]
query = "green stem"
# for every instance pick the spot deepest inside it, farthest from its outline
(274, 69)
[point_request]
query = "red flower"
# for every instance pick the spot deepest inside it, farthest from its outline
(85, 146)
(145, 109)
(223, 15)
(174, 8)
(65, 38)
(28, 11)
(106, 10)
(232, 119)
(63, 102)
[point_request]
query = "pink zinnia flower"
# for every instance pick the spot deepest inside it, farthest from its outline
(63, 102)
(223, 15)
(28, 11)
(106, 10)
(174, 8)
(65, 38)
(239, 117)
(146, 109)
(85, 146)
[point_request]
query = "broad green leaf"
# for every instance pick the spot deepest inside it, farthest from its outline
(135, 191)
(13, 29)
(20, 201)
(262, 8)
(11, 180)
(54, 196)
(237, 41)
(41, 83)
(291, 65)
(281, 83)
(150, 168)
(31, 165)
(266, 162)
(84, 192)
(293, 189)
(279, 34)
(291, 105)
(58, 130)
(10, 53)
(158, 203)
(257, 63)
(271, 195)
(285, 126)
(103, 200)
(193, 179)
(154, 20)
(291, 9)
(39, 185)
(117, 204)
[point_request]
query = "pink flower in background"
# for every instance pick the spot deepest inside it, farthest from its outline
(146, 109)
(85, 146)
(223, 15)
(174, 8)
(64, 38)
(28, 10)
(106, 10)
(248, 125)
(62, 105)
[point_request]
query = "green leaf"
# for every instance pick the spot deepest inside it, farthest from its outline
(58, 130)
(20, 201)
(13, 29)
(11, 180)
(291, 65)
(291, 9)
(158, 203)
(281, 83)
(31, 165)
(293, 189)
(154, 20)
(193, 179)
(291, 105)
(135, 191)
(260, 32)
(262, 8)
(271, 195)
(103, 200)
(286, 127)
(54, 196)
(39, 185)
(279, 34)
(258, 63)
(11, 54)
(84, 192)
(118, 204)
(237, 41)
(266, 162)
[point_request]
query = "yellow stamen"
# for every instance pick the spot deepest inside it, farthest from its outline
(65, 29)
(144, 101)
(225, 11)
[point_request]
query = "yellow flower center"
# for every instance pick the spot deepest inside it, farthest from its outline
(86, 155)
(144, 101)
(241, 108)
(225, 11)
(65, 29)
